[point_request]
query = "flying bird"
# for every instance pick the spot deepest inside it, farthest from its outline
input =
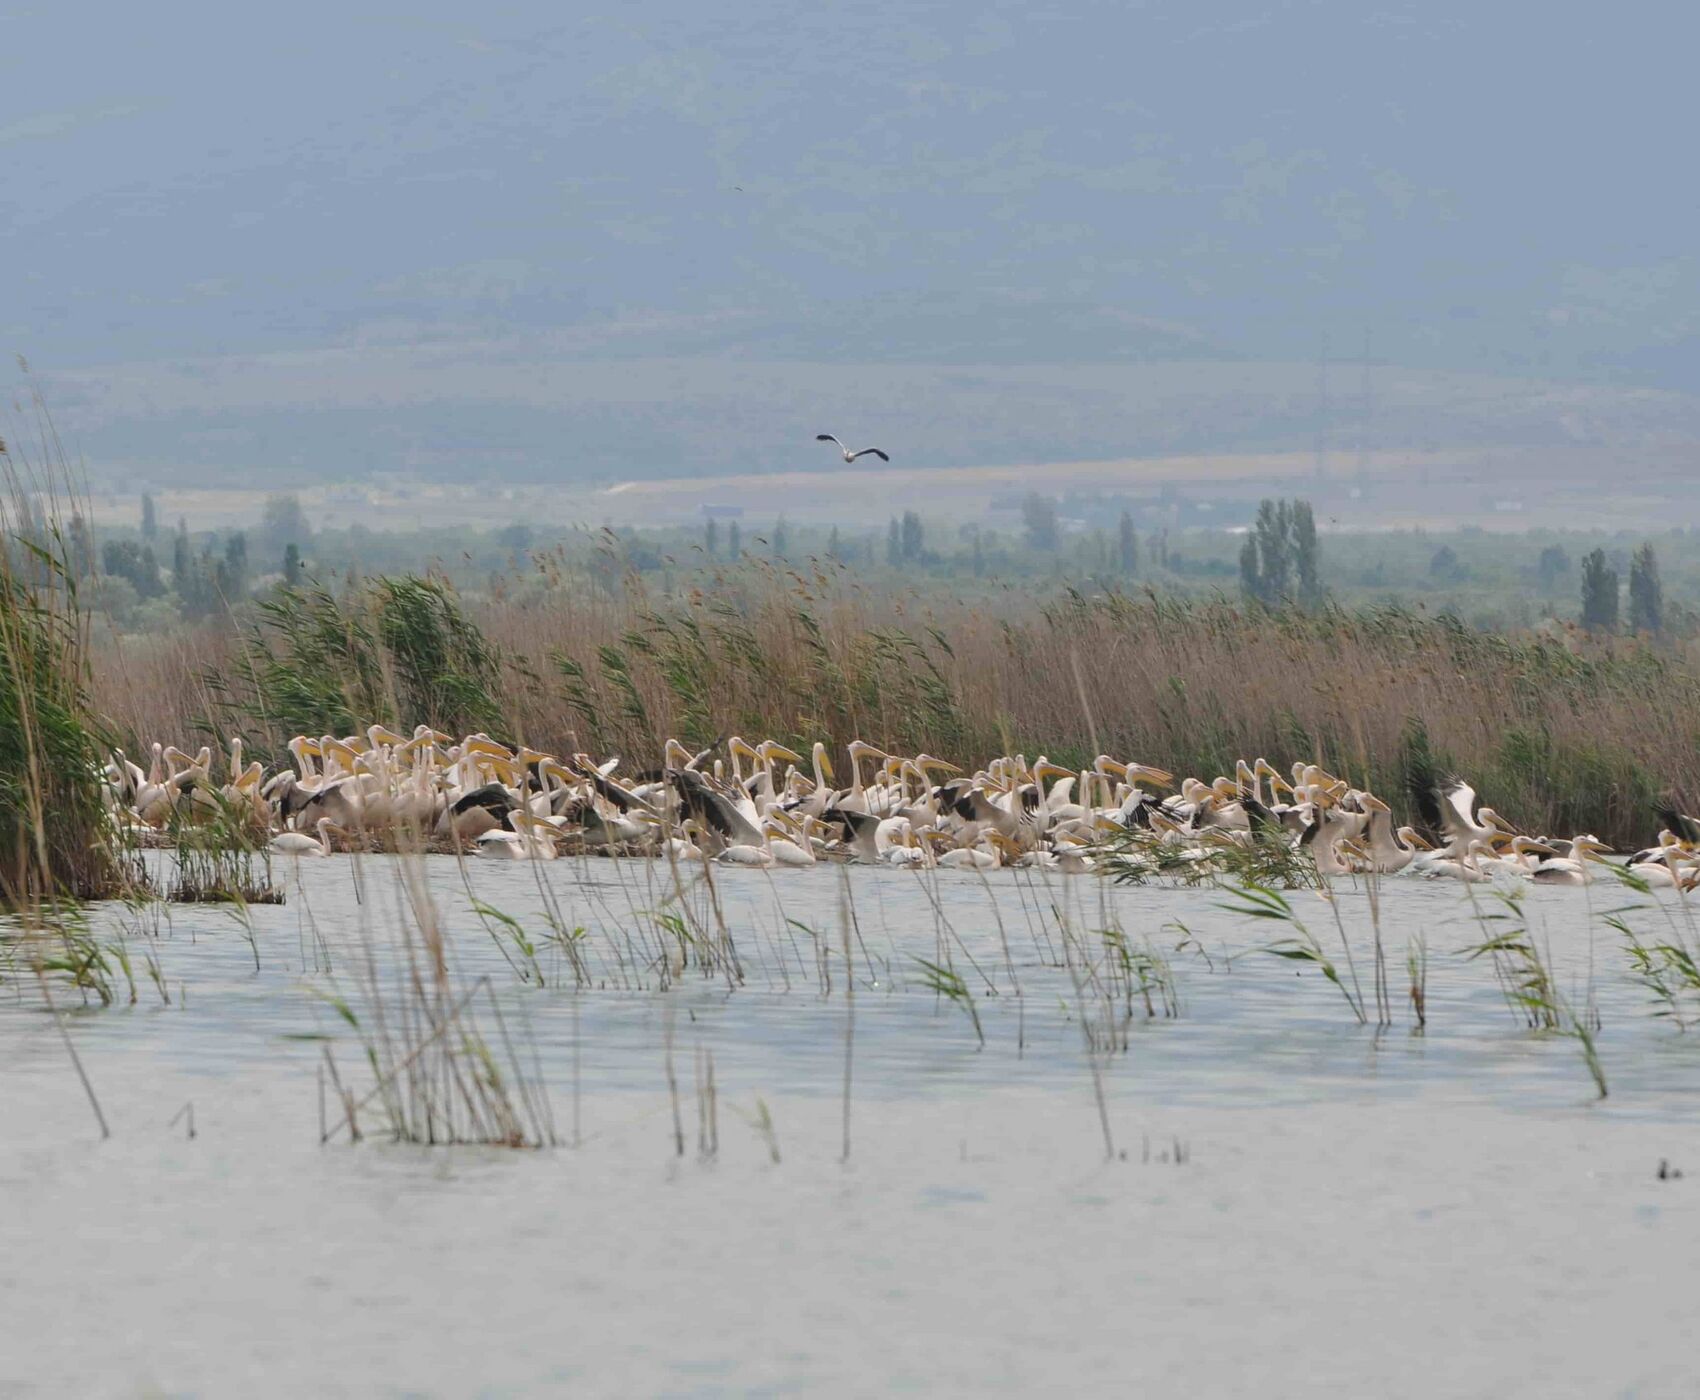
(850, 456)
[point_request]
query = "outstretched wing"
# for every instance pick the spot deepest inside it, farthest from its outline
(1684, 826)
(828, 437)
(1458, 809)
(869, 451)
(1423, 784)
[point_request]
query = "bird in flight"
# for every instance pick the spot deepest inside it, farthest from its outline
(850, 456)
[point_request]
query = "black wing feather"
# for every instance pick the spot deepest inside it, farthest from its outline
(1676, 822)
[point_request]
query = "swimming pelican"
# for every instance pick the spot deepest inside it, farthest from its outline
(298, 843)
(1389, 851)
(788, 839)
(1571, 869)
(532, 838)
(892, 846)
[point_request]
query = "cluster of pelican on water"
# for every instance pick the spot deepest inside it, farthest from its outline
(763, 804)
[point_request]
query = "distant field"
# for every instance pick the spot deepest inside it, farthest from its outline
(1499, 488)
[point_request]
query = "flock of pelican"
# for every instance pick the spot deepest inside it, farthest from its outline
(765, 805)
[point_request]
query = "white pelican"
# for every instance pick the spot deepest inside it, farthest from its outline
(154, 795)
(1387, 851)
(850, 456)
(1464, 820)
(891, 843)
(1443, 865)
(759, 856)
(531, 839)
(788, 839)
(986, 853)
(684, 845)
(1571, 869)
(855, 798)
(298, 843)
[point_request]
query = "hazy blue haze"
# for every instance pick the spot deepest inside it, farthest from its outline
(407, 202)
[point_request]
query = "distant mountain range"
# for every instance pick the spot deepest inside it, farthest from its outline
(605, 243)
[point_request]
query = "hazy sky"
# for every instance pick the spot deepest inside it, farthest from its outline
(376, 226)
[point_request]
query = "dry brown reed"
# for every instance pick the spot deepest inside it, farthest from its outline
(1560, 733)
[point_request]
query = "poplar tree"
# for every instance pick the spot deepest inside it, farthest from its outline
(1554, 564)
(1251, 577)
(1039, 519)
(911, 536)
(1307, 555)
(180, 559)
(1281, 560)
(1599, 593)
(1129, 546)
(1646, 592)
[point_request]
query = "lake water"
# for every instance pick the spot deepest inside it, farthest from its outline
(1295, 1201)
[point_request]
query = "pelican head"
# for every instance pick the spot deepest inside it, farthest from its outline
(926, 762)
(824, 759)
(1411, 837)
(1043, 769)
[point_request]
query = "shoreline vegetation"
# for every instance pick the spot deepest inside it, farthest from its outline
(1560, 734)
(1565, 729)
(53, 820)
(1558, 737)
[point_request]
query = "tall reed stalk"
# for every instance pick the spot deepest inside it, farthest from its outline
(55, 840)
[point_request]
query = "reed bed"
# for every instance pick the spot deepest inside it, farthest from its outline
(54, 839)
(433, 1071)
(1561, 732)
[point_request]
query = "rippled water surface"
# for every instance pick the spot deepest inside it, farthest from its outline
(1296, 1202)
